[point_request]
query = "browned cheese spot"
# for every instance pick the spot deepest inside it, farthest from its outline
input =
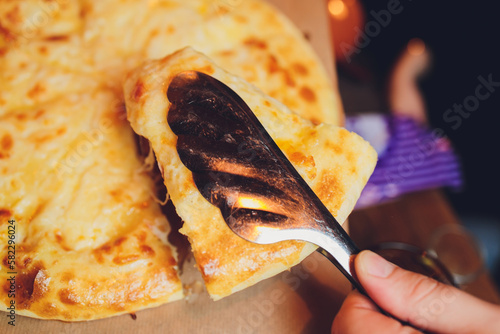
(67, 276)
(6, 144)
(307, 162)
(138, 90)
(116, 194)
(39, 113)
(86, 9)
(60, 240)
(315, 121)
(189, 183)
(60, 131)
(14, 15)
(43, 50)
(147, 251)
(31, 285)
(35, 91)
(5, 214)
(57, 38)
(66, 296)
(272, 64)
(255, 42)
(25, 262)
(202, 260)
(7, 34)
(143, 205)
(101, 251)
(240, 18)
(300, 69)
(300, 159)
(5, 261)
(21, 117)
(330, 191)
(155, 32)
(170, 29)
(59, 237)
(125, 259)
(351, 160)
(336, 147)
(119, 241)
(221, 10)
(208, 69)
(307, 94)
(227, 53)
(141, 236)
(288, 78)
(353, 170)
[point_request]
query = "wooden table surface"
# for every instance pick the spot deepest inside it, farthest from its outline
(415, 219)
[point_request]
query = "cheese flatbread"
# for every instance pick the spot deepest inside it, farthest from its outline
(90, 238)
(90, 241)
(82, 236)
(334, 162)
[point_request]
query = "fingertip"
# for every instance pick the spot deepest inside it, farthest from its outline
(369, 263)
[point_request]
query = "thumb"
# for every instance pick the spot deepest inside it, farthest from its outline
(422, 301)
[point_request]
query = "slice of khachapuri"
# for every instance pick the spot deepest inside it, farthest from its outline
(86, 238)
(333, 161)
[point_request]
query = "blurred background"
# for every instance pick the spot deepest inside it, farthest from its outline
(462, 38)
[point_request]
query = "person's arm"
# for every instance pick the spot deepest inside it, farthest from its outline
(417, 299)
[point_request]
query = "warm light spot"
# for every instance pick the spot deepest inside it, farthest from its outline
(338, 9)
(416, 47)
(190, 75)
(251, 203)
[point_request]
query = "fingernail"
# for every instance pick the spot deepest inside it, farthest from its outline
(376, 265)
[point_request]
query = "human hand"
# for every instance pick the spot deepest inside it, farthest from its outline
(417, 299)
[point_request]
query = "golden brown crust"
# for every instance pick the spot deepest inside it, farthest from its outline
(90, 240)
(66, 151)
(334, 162)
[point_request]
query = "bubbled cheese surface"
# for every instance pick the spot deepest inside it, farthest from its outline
(90, 238)
(334, 162)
